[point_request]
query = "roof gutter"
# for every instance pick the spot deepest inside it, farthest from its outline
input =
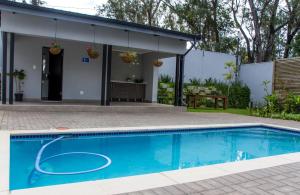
(192, 46)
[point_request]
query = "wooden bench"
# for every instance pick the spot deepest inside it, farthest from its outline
(193, 99)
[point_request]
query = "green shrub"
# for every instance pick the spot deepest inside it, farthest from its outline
(239, 95)
(165, 79)
(195, 82)
(271, 107)
(292, 104)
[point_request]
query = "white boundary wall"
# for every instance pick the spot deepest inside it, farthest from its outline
(199, 64)
(253, 76)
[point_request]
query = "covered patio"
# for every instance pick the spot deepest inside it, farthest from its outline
(72, 76)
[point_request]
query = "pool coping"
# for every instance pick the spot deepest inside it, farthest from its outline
(146, 181)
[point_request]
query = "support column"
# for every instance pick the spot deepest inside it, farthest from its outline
(103, 82)
(4, 66)
(106, 75)
(11, 68)
(181, 81)
(177, 75)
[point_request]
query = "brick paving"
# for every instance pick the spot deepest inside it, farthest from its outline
(17, 120)
(276, 180)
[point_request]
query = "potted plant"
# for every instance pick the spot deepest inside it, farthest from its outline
(19, 76)
(158, 63)
(92, 53)
(128, 57)
(55, 48)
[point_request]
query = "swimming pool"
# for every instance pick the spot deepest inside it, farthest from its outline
(137, 153)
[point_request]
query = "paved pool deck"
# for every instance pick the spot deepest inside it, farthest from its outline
(279, 179)
(18, 120)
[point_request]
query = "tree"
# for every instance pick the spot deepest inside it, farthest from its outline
(138, 11)
(33, 2)
(293, 27)
(296, 46)
(37, 2)
(208, 18)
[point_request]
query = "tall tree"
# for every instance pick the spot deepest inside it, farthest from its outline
(37, 2)
(208, 18)
(139, 11)
(262, 24)
(293, 27)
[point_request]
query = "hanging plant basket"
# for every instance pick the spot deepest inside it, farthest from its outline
(92, 53)
(158, 63)
(128, 57)
(55, 48)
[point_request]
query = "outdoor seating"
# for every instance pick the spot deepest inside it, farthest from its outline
(194, 100)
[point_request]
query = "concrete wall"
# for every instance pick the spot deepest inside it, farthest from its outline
(253, 75)
(199, 64)
(42, 26)
(150, 74)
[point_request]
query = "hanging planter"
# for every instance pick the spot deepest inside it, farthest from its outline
(92, 53)
(91, 49)
(128, 57)
(158, 63)
(55, 48)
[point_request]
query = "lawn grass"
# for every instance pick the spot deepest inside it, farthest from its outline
(220, 110)
(246, 112)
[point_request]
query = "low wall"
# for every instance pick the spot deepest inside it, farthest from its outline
(253, 75)
(199, 64)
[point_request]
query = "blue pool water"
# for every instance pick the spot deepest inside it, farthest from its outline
(140, 153)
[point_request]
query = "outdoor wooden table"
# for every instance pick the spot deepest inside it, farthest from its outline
(192, 100)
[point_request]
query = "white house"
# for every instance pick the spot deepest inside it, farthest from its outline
(27, 34)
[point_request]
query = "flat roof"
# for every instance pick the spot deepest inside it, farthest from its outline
(29, 9)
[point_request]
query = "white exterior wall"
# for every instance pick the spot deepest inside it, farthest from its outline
(150, 74)
(42, 26)
(199, 64)
(253, 76)
(77, 76)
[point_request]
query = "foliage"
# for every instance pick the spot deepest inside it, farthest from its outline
(165, 79)
(292, 104)
(166, 91)
(138, 11)
(232, 70)
(296, 46)
(272, 106)
(33, 2)
(266, 25)
(239, 95)
(19, 76)
(221, 110)
(209, 19)
(195, 82)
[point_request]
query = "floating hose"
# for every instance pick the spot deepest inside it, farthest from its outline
(39, 161)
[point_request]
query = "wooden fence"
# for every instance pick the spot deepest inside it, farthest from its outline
(286, 76)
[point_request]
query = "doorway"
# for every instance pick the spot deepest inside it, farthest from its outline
(52, 75)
